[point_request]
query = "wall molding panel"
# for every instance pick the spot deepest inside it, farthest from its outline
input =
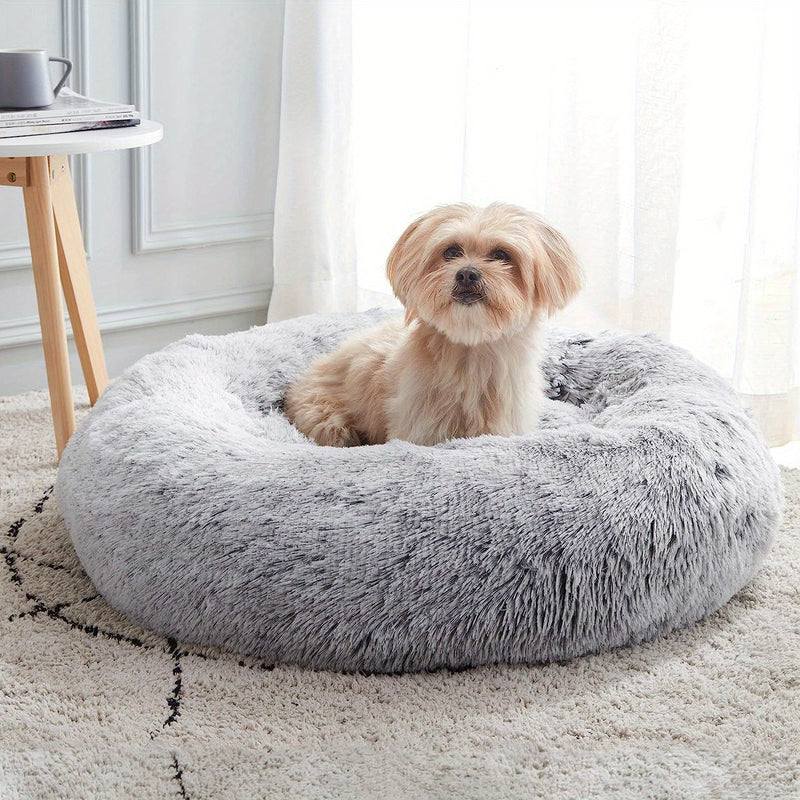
(147, 235)
(75, 41)
(15, 255)
(178, 235)
(24, 332)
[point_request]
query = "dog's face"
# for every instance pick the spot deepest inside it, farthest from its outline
(477, 274)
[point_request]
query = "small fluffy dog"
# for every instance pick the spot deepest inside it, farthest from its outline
(475, 283)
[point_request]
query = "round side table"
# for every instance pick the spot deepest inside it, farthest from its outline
(39, 166)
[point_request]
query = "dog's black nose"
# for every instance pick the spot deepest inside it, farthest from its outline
(467, 277)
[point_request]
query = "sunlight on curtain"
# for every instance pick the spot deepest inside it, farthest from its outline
(313, 237)
(661, 138)
(735, 299)
(483, 101)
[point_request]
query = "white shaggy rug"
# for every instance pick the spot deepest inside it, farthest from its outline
(92, 706)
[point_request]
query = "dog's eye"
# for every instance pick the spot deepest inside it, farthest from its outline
(454, 251)
(499, 255)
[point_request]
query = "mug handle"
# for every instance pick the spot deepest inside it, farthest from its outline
(64, 76)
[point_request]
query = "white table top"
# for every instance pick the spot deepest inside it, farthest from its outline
(63, 144)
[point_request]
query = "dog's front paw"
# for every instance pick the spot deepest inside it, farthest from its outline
(335, 433)
(320, 418)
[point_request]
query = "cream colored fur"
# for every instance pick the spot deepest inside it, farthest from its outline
(476, 283)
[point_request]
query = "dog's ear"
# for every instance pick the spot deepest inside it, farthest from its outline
(557, 273)
(405, 254)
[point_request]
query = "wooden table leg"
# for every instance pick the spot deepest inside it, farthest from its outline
(75, 279)
(44, 253)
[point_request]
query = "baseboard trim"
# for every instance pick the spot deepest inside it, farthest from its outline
(24, 332)
(15, 256)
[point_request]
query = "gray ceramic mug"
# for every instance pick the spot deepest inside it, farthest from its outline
(25, 78)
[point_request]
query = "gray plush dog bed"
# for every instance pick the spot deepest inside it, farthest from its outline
(644, 501)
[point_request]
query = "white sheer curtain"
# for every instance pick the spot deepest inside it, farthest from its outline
(661, 138)
(314, 235)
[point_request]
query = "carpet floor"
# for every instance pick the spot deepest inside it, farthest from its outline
(92, 706)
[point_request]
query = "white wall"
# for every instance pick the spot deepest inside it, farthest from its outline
(179, 235)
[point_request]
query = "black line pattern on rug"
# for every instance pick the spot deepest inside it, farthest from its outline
(11, 556)
(47, 565)
(56, 609)
(91, 630)
(39, 507)
(13, 531)
(174, 701)
(170, 647)
(264, 666)
(178, 776)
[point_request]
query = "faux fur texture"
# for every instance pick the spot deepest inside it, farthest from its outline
(643, 502)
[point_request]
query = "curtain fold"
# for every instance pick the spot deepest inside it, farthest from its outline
(662, 138)
(313, 237)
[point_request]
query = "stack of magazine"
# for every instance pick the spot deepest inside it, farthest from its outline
(69, 112)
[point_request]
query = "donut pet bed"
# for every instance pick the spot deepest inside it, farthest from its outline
(642, 503)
